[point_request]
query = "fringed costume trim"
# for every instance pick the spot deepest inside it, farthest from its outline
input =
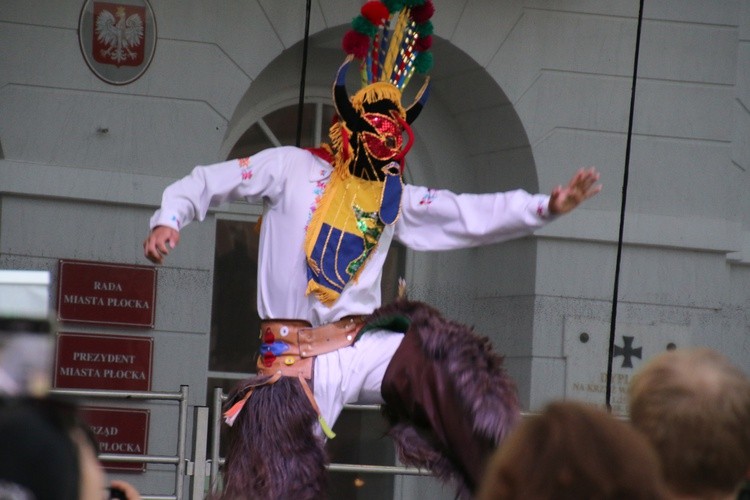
(274, 451)
(448, 398)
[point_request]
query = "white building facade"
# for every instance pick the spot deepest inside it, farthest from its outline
(524, 92)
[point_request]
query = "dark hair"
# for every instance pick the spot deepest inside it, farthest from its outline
(36, 450)
(571, 451)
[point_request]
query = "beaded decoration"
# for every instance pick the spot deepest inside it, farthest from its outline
(392, 38)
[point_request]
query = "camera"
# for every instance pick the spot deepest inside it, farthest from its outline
(26, 333)
(116, 493)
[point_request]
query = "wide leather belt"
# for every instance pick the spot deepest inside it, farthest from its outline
(289, 346)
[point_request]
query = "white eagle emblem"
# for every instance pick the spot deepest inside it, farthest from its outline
(119, 36)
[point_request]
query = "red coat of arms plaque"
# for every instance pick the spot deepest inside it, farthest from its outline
(117, 39)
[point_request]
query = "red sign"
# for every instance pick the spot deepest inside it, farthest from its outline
(112, 294)
(111, 362)
(118, 34)
(119, 431)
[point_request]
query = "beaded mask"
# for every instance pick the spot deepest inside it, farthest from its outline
(368, 147)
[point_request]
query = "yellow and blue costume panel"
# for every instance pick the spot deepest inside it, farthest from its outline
(345, 228)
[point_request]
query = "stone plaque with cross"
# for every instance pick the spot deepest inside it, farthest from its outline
(586, 347)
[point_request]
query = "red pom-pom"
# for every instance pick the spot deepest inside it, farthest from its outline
(423, 13)
(423, 43)
(375, 11)
(356, 44)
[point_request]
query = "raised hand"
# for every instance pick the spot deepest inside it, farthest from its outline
(582, 186)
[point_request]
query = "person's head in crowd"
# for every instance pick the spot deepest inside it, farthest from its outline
(48, 452)
(38, 458)
(573, 451)
(694, 407)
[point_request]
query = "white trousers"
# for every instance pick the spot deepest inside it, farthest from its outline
(354, 374)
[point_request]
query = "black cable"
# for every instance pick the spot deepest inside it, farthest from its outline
(304, 73)
(613, 320)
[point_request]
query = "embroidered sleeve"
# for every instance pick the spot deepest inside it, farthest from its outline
(252, 178)
(441, 220)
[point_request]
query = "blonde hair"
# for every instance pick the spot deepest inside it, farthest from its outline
(694, 407)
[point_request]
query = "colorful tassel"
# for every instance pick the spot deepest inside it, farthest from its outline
(231, 414)
(326, 428)
(322, 421)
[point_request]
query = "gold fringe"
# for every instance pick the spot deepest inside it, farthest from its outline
(325, 295)
(340, 167)
(334, 133)
(377, 92)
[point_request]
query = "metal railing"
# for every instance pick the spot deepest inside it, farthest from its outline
(216, 461)
(205, 464)
(179, 460)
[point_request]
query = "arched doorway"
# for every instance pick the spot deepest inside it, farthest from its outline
(469, 139)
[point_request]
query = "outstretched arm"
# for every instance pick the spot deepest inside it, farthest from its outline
(259, 177)
(582, 186)
(441, 220)
(159, 242)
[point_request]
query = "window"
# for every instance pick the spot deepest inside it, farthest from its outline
(280, 128)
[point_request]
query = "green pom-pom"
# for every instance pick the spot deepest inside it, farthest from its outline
(360, 24)
(414, 3)
(423, 62)
(394, 5)
(425, 29)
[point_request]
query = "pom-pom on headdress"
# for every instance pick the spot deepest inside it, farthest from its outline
(392, 38)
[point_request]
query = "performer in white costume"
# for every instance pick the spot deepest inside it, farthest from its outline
(329, 217)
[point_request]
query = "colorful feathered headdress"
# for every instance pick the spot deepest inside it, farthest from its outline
(392, 38)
